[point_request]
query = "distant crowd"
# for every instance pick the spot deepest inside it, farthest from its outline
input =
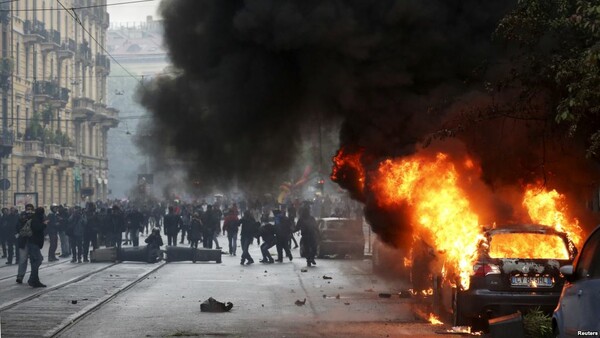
(78, 230)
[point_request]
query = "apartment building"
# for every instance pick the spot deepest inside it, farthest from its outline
(55, 118)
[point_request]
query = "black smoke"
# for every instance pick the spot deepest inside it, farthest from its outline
(254, 73)
(255, 77)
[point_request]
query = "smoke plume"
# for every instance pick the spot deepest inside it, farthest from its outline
(253, 75)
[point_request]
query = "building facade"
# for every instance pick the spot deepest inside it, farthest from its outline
(53, 89)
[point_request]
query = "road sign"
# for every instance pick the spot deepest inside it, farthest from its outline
(4, 184)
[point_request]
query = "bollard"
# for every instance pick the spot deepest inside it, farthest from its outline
(179, 254)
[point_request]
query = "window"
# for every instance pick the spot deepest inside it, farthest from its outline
(585, 267)
(18, 58)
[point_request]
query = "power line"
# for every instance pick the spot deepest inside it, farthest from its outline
(58, 9)
(76, 18)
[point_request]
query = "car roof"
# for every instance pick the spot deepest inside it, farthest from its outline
(523, 228)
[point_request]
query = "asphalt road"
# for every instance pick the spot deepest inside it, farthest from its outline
(264, 301)
(267, 300)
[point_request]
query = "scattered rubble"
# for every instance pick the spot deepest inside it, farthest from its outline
(212, 305)
(300, 302)
(327, 277)
(385, 295)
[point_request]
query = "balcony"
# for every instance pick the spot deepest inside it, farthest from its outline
(52, 41)
(68, 158)
(66, 50)
(102, 64)
(83, 108)
(33, 31)
(53, 155)
(112, 118)
(50, 92)
(32, 152)
(105, 20)
(6, 142)
(84, 54)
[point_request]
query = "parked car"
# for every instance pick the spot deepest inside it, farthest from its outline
(518, 268)
(578, 310)
(340, 236)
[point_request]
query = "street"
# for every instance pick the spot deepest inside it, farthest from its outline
(156, 300)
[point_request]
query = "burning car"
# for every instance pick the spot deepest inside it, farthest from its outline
(341, 236)
(517, 268)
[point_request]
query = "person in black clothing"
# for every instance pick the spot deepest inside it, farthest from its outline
(172, 223)
(135, 224)
(154, 242)
(22, 241)
(211, 223)
(10, 222)
(283, 232)
(249, 230)
(52, 231)
(117, 226)
(267, 232)
(90, 235)
(34, 247)
(5, 233)
(62, 224)
(309, 231)
(195, 229)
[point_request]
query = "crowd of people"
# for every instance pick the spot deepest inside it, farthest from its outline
(73, 232)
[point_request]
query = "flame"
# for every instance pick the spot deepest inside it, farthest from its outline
(352, 160)
(440, 209)
(433, 319)
(528, 246)
(550, 208)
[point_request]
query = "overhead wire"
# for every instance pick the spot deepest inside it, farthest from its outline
(75, 17)
(58, 9)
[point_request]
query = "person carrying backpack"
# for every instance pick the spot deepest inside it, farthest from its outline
(23, 235)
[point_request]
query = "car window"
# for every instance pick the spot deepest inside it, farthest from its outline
(528, 246)
(587, 264)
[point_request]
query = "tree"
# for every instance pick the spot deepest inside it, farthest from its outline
(555, 56)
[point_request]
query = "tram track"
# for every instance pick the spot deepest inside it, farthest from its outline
(64, 305)
(43, 291)
(41, 268)
(80, 316)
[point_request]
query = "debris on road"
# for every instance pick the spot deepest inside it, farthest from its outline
(327, 277)
(369, 290)
(346, 303)
(300, 302)
(212, 305)
(73, 302)
(385, 295)
(304, 270)
(337, 296)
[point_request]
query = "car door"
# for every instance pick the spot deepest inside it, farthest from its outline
(571, 301)
(588, 291)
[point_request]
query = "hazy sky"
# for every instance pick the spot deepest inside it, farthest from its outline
(132, 12)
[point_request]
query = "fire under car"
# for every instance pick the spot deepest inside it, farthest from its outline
(517, 269)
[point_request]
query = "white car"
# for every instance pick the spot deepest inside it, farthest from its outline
(578, 310)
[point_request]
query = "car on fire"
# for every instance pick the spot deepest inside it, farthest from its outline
(517, 269)
(340, 237)
(578, 310)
